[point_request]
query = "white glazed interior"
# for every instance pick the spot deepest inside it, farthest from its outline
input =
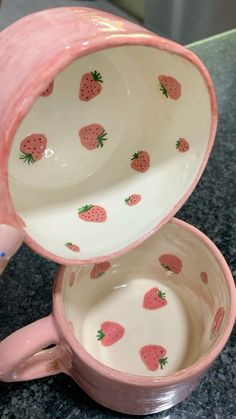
(136, 116)
(183, 326)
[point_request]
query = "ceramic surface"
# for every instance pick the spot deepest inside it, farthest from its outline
(107, 134)
(167, 296)
(137, 333)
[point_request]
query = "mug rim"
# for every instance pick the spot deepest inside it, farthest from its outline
(196, 369)
(58, 63)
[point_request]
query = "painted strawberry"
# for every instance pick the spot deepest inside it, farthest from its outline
(170, 87)
(49, 89)
(182, 145)
(153, 356)
(204, 277)
(71, 279)
(217, 321)
(99, 269)
(110, 333)
(92, 136)
(140, 161)
(92, 213)
(73, 247)
(133, 199)
(154, 298)
(32, 148)
(171, 263)
(90, 86)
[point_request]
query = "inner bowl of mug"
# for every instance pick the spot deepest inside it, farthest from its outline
(111, 147)
(156, 311)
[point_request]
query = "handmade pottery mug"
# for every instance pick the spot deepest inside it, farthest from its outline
(137, 334)
(102, 123)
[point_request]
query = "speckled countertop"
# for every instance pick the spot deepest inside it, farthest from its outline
(25, 287)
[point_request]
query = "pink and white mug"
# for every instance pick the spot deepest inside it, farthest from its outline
(102, 123)
(136, 333)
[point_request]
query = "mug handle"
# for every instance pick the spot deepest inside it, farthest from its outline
(10, 240)
(23, 357)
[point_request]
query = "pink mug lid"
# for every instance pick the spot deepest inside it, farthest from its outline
(139, 110)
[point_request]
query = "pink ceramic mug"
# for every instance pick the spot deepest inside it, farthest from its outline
(137, 334)
(98, 115)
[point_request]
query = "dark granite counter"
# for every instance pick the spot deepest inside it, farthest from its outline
(25, 287)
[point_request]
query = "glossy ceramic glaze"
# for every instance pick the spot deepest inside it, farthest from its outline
(138, 333)
(105, 131)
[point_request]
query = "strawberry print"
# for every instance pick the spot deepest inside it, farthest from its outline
(71, 279)
(154, 299)
(140, 161)
(182, 145)
(171, 263)
(204, 277)
(90, 86)
(32, 148)
(170, 87)
(49, 89)
(110, 333)
(99, 269)
(73, 247)
(133, 199)
(92, 136)
(92, 213)
(153, 356)
(217, 321)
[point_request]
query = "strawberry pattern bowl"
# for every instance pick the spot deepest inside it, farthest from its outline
(136, 333)
(105, 131)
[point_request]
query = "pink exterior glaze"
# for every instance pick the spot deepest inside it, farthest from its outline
(114, 389)
(70, 33)
(22, 345)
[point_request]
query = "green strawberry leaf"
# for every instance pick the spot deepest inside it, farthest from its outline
(162, 295)
(101, 138)
(166, 267)
(163, 362)
(96, 76)
(163, 89)
(100, 334)
(27, 158)
(85, 208)
(135, 155)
